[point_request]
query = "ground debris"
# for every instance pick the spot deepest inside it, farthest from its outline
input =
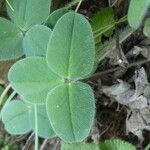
(137, 100)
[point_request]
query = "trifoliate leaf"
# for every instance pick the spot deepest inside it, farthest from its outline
(10, 40)
(71, 50)
(18, 118)
(71, 110)
(36, 40)
(27, 13)
(55, 16)
(137, 11)
(32, 79)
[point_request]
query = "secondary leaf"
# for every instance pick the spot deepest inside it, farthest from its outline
(28, 12)
(146, 29)
(71, 110)
(10, 40)
(137, 11)
(71, 49)
(116, 145)
(18, 118)
(103, 22)
(79, 146)
(55, 16)
(32, 79)
(36, 40)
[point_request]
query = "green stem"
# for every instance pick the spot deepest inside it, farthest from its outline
(9, 5)
(7, 102)
(36, 128)
(78, 5)
(2, 97)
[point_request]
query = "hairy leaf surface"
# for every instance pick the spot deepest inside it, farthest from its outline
(71, 109)
(32, 79)
(137, 11)
(116, 145)
(44, 127)
(71, 49)
(19, 118)
(27, 13)
(16, 118)
(55, 16)
(79, 146)
(10, 40)
(36, 40)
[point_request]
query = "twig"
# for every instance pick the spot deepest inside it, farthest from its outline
(43, 144)
(78, 6)
(118, 68)
(71, 4)
(4, 94)
(28, 142)
(114, 3)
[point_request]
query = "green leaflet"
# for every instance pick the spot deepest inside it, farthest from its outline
(146, 29)
(55, 16)
(28, 12)
(79, 146)
(103, 22)
(10, 40)
(137, 11)
(36, 40)
(18, 118)
(116, 145)
(71, 50)
(32, 79)
(72, 111)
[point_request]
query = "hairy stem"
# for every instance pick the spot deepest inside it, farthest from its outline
(9, 5)
(7, 102)
(36, 128)
(74, 2)
(78, 6)
(4, 94)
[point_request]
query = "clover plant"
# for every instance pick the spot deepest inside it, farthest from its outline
(60, 53)
(54, 81)
(23, 16)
